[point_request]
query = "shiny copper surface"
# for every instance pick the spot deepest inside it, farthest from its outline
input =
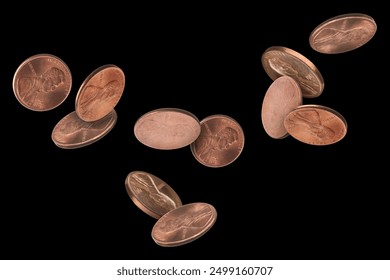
(100, 92)
(184, 224)
(343, 33)
(282, 96)
(167, 128)
(151, 194)
(281, 61)
(42, 82)
(220, 142)
(316, 125)
(71, 132)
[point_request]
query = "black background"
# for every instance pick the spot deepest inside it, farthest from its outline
(281, 199)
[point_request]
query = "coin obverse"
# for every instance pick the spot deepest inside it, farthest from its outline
(220, 142)
(42, 82)
(100, 93)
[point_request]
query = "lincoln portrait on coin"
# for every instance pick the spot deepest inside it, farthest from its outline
(148, 193)
(211, 144)
(96, 97)
(31, 88)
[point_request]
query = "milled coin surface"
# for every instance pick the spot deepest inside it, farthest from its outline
(184, 224)
(316, 125)
(220, 142)
(281, 61)
(167, 128)
(71, 132)
(282, 96)
(151, 194)
(42, 82)
(343, 33)
(100, 92)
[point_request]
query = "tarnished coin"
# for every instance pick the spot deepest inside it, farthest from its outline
(282, 96)
(343, 33)
(100, 92)
(281, 61)
(184, 224)
(151, 194)
(316, 125)
(220, 142)
(71, 132)
(42, 82)
(167, 128)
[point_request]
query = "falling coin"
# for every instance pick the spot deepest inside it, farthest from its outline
(42, 82)
(151, 194)
(316, 125)
(100, 92)
(281, 61)
(167, 128)
(343, 33)
(184, 224)
(281, 98)
(71, 132)
(220, 142)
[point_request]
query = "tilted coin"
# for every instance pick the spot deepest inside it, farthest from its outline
(282, 96)
(71, 132)
(151, 194)
(100, 92)
(167, 128)
(42, 82)
(281, 61)
(343, 33)
(184, 224)
(316, 125)
(220, 142)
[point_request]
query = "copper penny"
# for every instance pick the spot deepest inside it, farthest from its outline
(283, 95)
(167, 128)
(151, 194)
(281, 61)
(343, 33)
(220, 142)
(184, 224)
(100, 92)
(42, 82)
(71, 132)
(316, 125)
